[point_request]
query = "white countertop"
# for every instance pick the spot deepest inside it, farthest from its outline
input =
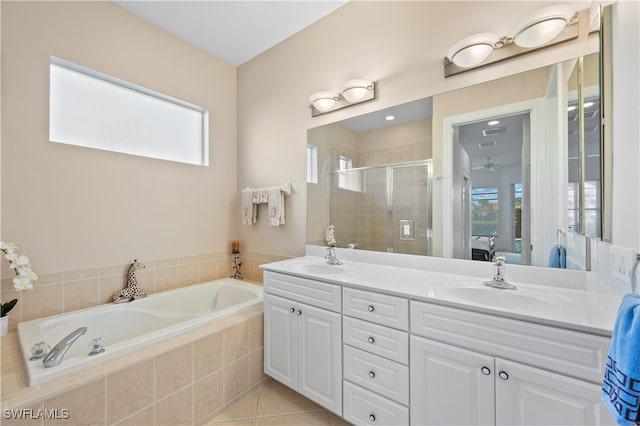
(569, 307)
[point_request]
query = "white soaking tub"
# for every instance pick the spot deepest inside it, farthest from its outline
(131, 325)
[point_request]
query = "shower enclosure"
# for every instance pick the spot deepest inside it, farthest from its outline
(383, 208)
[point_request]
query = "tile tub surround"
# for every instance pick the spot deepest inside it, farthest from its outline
(187, 379)
(59, 292)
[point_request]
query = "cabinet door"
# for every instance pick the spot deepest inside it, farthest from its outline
(280, 339)
(320, 356)
(449, 385)
(527, 395)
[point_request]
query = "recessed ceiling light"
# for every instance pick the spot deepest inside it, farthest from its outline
(493, 122)
(571, 108)
(588, 104)
(390, 117)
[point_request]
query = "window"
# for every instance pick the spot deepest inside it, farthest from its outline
(517, 205)
(347, 178)
(591, 208)
(94, 110)
(312, 164)
(484, 210)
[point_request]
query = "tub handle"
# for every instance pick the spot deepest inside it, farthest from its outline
(299, 312)
(292, 310)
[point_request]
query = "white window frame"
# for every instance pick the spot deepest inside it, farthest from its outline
(312, 164)
(192, 147)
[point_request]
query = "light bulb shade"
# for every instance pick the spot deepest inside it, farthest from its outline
(541, 27)
(472, 50)
(323, 101)
(355, 90)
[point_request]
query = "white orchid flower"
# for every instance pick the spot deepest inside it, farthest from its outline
(11, 256)
(22, 283)
(22, 260)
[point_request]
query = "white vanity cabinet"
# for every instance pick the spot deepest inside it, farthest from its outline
(460, 374)
(376, 358)
(303, 337)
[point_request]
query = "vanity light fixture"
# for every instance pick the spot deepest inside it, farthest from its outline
(472, 50)
(351, 93)
(542, 26)
(546, 27)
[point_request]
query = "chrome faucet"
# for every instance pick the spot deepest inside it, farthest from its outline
(54, 357)
(331, 257)
(498, 280)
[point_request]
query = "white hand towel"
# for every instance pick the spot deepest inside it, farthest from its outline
(264, 196)
(276, 207)
(247, 207)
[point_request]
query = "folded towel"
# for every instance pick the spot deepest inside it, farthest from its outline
(621, 385)
(276, 207)
(563, 257)
(263, 196)
(249, 209)
(554, 257)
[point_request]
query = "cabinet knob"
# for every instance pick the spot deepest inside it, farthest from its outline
(372, 418)
(371, 339)
(503, 375)
(371, 308)
(299, 312)
(292, 310)
(486, 371)
(372, 374)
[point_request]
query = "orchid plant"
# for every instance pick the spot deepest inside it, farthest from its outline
(330, 236)
(24, 275)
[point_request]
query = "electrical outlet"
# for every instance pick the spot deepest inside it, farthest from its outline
(622, 261)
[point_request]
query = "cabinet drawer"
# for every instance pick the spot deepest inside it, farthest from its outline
(362, 407)
(566, 352)
(378, 374)
(382, 309)
(314, 293)
(383, 341)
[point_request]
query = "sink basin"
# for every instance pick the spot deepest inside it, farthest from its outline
(322, 268)
(521, 300)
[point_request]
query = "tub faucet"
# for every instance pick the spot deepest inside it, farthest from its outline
(132, 291)
(331, 257)
(498, 280)
(54, 357)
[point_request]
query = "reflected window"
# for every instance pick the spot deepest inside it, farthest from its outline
(351, 180)
(484, 210)
(517, 204)
(312, 164)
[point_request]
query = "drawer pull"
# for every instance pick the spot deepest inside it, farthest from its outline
(371, 339)
(503, 375)
(292, 310)
(299, 312)
(486, 371)
(371, 308)
(372, 374)
(372, 418)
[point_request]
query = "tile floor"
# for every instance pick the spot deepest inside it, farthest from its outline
(273, 403)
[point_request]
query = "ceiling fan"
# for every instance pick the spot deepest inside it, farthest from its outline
(488, 165)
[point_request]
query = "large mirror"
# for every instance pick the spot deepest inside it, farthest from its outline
(500, 168)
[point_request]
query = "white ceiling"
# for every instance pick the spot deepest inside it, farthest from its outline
(235, 30)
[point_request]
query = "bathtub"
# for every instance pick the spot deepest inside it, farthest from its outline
(128, 326)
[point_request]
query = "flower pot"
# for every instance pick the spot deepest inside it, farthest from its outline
(4, 325)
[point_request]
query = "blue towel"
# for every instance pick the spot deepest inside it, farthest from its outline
(621, 385)
(554, 257)
(563, 257)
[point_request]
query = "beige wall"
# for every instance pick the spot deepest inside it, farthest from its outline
(398, 44)
(72, 207)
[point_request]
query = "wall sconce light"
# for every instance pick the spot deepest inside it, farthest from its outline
(546, 27)
(351, 93)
